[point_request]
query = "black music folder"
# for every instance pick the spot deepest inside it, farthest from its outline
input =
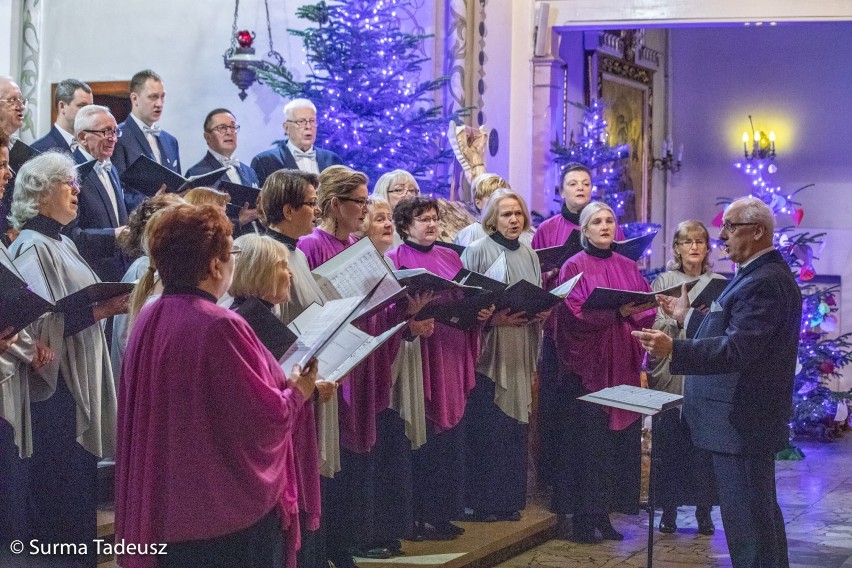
(554, 257)
(634, 248)
(603, 298)
(147, 176)
(271, 331)
(710, 292)
(240, 194)
(19, 154)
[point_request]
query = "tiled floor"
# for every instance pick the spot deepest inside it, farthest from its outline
(815, 495)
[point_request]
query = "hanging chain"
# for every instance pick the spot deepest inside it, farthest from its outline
(234, 27)
(268, 26)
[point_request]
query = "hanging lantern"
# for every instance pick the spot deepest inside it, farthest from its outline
(241, 59)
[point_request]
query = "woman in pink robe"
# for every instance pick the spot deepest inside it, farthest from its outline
(598, 467)
(205, 456)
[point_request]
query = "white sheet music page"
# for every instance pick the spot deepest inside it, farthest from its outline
(637, 399)
(565, 288)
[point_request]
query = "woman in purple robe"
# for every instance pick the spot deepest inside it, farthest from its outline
(598, 467)
(206, 415)
(449, 362)
(576, 191)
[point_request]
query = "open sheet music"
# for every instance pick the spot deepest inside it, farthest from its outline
(636, 399)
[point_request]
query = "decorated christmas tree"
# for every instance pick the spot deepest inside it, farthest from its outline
(592, 149)
(817, 410)
(364, 78)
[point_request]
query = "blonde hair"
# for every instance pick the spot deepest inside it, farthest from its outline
(492, 207)
(335, 182)
(682, 231)
(255, 268)
(390, 179)
(375, 204)
(484, 185)
(206, 195)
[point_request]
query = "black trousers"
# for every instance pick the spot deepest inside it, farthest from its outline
(438, 472)
(754, 526)
(552, 405)
(258, 546)
(685, 473)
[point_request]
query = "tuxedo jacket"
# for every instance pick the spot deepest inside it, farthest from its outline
(210, 163)
(741, 362)
(280, 157)
(54, 140)
(133, 144)
(93, 231)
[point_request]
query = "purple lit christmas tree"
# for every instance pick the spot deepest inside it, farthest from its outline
(364, 78)
(817, 410)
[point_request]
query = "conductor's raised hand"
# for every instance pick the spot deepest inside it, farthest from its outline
(675, 308)
(654, 342)
(304, 380)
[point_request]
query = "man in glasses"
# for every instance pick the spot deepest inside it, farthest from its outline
(12, 107)
(70, 96)
(101, 211)
(220, 133)
(299, 152)
(142, 133)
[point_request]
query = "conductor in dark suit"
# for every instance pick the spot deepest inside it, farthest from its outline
(101, 212)
(299, 152)
(221, 133)
(70, 96)
(142, 135)
(739, 385)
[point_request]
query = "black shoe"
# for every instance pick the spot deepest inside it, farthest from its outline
(446, 527)
(608, 532)
(583, 530)
(393, 545)
(513, 516)
(376, 552)
(705, 523)
(668, 522)
(424, 532)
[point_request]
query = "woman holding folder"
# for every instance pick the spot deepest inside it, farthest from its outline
(685, 475)
(73, 420)
(598, 467)
(201, 394)
(449, 360)
(498, 407)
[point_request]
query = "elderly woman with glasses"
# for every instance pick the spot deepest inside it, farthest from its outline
(449, 359)
(73, 422)
(685, 475)
(393, 187)
(598, 467)
(201, 394)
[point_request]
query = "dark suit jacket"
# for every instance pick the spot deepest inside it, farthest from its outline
(741, 362)
(133, 144)
(93, 231)
(53, 140)
(210, 163)
(280, 158)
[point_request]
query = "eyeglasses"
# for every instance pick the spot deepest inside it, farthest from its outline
(360, 202)
(311, 204)
(17, 102)
(428, 219)
(236, 251)
(729, 227)
(225, 128)
(106, 132)
(688, 243)
(403, 190)
(304, 122)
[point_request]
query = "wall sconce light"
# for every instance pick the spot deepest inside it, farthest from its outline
(668, 163)
(763, 146)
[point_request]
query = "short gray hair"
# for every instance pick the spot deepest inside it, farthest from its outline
(586, 215)
(86, 117)
(389, 179)
(35, 183)
(753, 210)
(297, 103)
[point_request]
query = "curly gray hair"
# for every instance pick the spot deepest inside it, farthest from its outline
(35, 183)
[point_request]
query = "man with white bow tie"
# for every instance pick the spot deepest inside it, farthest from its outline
(299, 152)
(101, 211)
(221, 133)
(142, 132)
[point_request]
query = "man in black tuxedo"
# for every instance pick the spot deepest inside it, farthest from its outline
(739, 385)
(12, 107)
(221, 133)
(299, 152)
(70, 96)
(101, 211)
(142, 135)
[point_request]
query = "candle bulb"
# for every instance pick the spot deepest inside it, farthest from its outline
(680, 154)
